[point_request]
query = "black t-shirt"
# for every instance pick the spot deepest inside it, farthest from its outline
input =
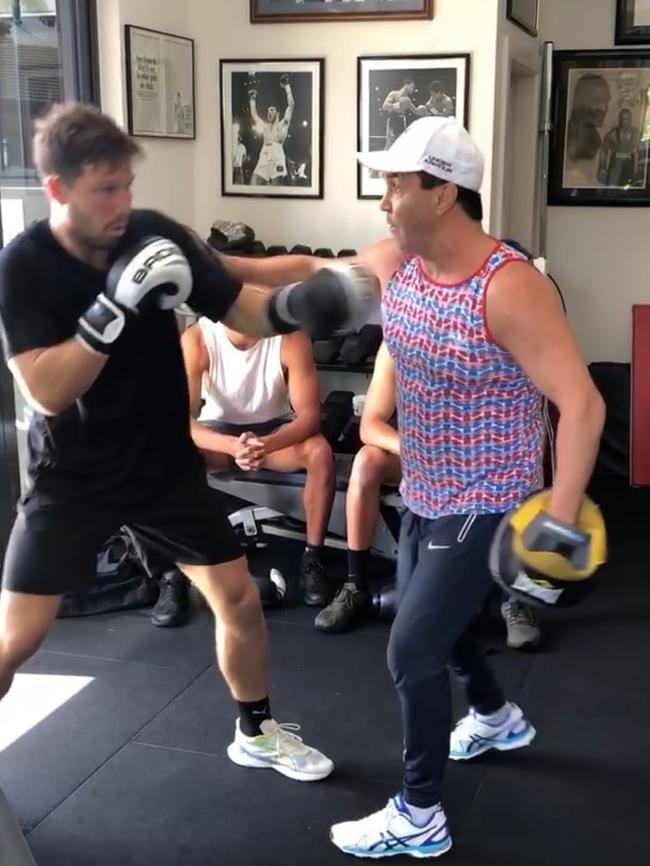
(121, 441)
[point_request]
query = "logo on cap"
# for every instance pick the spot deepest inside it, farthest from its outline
(442, 164)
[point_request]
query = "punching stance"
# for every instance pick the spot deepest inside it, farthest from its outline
(89, 332)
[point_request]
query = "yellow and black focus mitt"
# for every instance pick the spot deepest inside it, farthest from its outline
(544, 561)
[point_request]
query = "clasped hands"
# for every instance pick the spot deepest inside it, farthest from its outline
(251, 453)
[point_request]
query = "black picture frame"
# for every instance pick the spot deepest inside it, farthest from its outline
(152, 110)
(525, 14)
(627, 31)
(255, 160)
(379, 75)
(599, 153)
(292, 12)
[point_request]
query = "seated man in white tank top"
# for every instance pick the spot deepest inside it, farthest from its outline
(261, 409)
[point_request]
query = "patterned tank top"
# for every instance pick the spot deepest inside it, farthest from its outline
(470, 421)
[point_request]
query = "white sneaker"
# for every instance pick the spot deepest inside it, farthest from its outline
(472, 737)
(390, 832)
(279, 748)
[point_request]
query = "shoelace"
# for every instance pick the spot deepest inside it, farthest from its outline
(518, 614)
(346, 596)
(288, 740)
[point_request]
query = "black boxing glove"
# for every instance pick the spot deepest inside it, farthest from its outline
(339, 297)
(154, 271)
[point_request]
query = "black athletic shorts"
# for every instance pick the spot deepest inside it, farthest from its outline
(53, 547)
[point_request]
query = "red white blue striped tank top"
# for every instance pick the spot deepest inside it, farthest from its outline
(470, 420)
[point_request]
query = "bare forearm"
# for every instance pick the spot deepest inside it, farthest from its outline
(210, 440)
(293, 434)
(274, 271)
(53, 378)
(380, 434)
(578, 438)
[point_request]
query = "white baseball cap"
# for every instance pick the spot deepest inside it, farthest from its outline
(441, 146)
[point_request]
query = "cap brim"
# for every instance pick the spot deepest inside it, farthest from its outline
(385, 162)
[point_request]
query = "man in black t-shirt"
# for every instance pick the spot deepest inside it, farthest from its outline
(89, 333)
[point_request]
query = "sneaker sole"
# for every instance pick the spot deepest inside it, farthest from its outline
(524, 739)
(243, 759)
(418, 854)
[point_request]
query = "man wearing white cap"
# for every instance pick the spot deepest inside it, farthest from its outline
(471, 367)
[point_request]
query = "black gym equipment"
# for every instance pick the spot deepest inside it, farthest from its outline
(324, 253)
(232, 238)
(358, 348)
(277, 250)
(272, 588)
(346, 254)
(301, 250)
(336, 411)
(384, 602)
(326, 351)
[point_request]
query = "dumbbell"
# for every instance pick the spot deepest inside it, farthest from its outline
(258, 249)
(346, 254)
(300, 250)
(272, 589)
(325, 351)
(335, 414)
(277, 250)
(350, 440)
(324, 253)
(384, 602)
(357, 348)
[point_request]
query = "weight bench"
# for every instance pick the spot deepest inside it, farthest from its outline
(276, 506)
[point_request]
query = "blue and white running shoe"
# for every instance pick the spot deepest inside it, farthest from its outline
(391, 832)
(472, 737)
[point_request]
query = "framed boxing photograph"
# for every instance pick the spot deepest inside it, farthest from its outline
(159, 84)
(392, 92)
(599, 151)
(632, 22)
(284, 11)
(272, 128)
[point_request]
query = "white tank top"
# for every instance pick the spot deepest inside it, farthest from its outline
(242, 386)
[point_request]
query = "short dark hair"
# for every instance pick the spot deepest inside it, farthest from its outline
(71, 135)
(406, 81)
(438, 86)
(469, 200)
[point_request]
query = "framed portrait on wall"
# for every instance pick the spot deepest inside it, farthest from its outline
(159, 84)
(272, 128)
(283, 11)
(395, 91)
(632, 22)
(525, 14)
(599, 151)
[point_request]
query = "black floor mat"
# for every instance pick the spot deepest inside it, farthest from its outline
(136, 772)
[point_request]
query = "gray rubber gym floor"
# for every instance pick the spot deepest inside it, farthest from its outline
(132, 769)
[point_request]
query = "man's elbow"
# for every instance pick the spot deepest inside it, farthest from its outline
(587, 410)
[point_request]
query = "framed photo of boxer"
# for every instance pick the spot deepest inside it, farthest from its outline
(525, 14)
(599, 152)
(283, 11)
(395, 91)
(159, 84)
(272, 128)
(632, 22)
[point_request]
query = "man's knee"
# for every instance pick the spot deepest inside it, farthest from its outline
(369, 468)
(317, 455)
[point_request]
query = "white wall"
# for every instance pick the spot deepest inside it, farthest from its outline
(166, 177)
(598, 255)
(339, 220)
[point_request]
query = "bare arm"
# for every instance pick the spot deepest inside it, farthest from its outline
(391, 103)
(380, 405)
(195, 356)
(257, 120)
(525, 317)
(382, 258)
(52, 379)
(304, 394)
(288, 113)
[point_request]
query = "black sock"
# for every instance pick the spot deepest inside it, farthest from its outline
(357, 565)
(251, 716)
(313, 552)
